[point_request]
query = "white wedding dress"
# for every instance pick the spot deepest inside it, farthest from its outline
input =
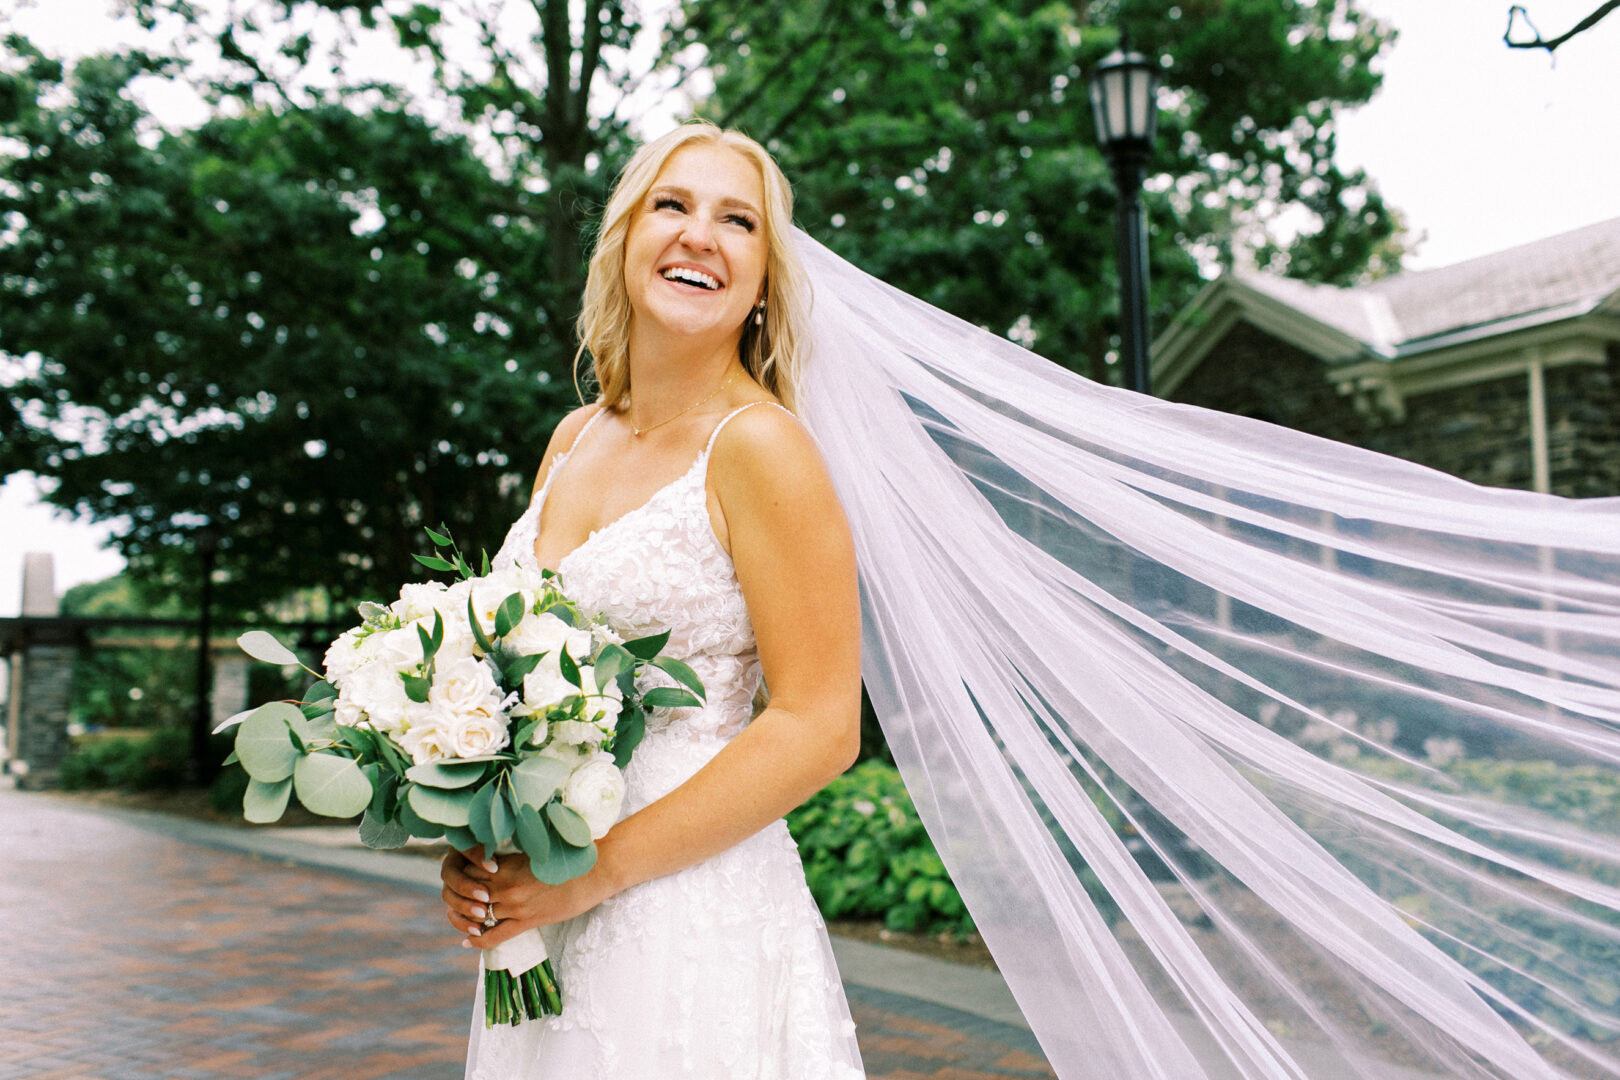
(722, 971)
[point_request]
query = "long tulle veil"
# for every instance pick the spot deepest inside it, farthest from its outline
(1254, 755)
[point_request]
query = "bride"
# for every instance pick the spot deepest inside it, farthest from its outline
(689, 498)
(1253, 755)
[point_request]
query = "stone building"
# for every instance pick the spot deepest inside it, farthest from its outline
(1503, 370)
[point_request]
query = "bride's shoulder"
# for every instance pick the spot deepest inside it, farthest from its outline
(563, 436)
(763, 448)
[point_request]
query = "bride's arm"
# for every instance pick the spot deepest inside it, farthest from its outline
(795, 561)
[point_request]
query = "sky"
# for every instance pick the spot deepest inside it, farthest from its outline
(1481, 147)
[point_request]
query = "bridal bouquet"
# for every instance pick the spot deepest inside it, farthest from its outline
(490, 712)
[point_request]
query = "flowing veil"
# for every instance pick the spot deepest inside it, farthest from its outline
(1253, 754)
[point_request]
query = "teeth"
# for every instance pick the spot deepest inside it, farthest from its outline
(691, 277)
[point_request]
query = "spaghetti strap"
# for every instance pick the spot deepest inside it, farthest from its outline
(562, 456)
(595, 416)
(727, 419)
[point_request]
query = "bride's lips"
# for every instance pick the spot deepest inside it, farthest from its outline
(688, 286)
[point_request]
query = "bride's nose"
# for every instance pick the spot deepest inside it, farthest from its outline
(698, 234)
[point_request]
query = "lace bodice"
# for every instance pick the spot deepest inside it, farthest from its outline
(661, 567)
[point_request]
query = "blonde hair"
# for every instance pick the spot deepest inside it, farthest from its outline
(770, 353)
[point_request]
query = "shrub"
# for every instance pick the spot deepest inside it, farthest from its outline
(143, 762)
(866, 855)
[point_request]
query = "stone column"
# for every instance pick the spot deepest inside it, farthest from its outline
(44, 682)
(230, 685)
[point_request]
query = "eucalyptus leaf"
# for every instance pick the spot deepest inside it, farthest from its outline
(414, 823)
(376, 832)
(232, 720)
(565, 863)
(230, 759)
(447, 774)
(646, 648)
(533, 838)
(460, 838)
(331, 785)
(264, 742)
(263, 803)
(320, 690)
(536, 779)
(569, 825)
(314, 728)
(262, 645)
(681, 674)
(384, 788)
(478, 816)
(439, 806)
(501, 820)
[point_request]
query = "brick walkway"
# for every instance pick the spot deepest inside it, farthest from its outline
(126, 954)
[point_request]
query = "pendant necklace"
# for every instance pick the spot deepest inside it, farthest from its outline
(638, 432)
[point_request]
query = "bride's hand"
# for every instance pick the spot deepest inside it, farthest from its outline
(519, 901)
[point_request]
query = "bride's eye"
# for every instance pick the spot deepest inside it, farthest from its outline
(666, 202)
(742, 219)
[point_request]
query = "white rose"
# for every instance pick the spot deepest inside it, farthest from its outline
(475, 735)
(427, 741)
(342, 656)
(417, 600)
(596, 793)
(570, 754)
(463, 687)
(377, 689)
(544, 687)
(537, 634)
(399, 649)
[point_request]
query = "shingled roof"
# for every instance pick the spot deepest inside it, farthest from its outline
(1560, 277)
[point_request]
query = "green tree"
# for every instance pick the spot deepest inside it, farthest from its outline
(318, 325)
(949, 148)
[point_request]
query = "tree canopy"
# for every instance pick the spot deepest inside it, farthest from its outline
(948, 147)
(342, 307)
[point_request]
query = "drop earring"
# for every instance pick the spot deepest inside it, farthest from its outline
(759, 313)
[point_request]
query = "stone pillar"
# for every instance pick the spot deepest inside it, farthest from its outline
(230, 686)
(42, 682)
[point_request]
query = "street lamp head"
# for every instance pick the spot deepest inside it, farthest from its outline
(1124, 102)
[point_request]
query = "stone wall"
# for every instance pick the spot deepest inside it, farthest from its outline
(1583, 428)
(42, 740)
(1480, 432)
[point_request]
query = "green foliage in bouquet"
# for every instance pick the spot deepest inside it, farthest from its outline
(866, 855)
(499, 801)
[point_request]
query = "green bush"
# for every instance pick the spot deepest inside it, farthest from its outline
(866, 855)
(145, 762)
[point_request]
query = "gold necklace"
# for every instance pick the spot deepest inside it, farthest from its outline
(638, 432)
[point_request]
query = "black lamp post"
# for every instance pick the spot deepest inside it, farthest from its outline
(207, 541)
(1124, 102)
